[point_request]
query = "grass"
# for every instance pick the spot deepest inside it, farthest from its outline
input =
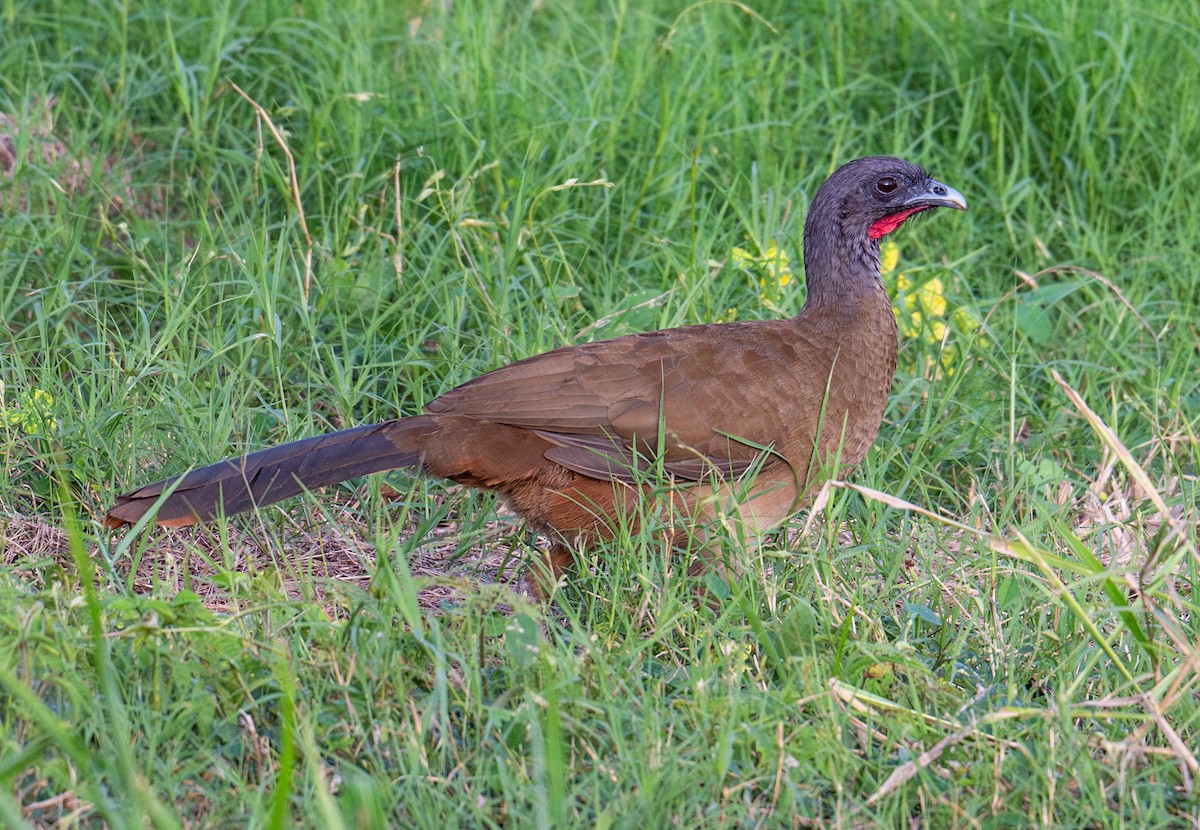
(995, 629)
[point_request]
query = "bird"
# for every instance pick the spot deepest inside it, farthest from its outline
(743, 419)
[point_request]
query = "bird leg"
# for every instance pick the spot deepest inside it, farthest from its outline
(547, 568)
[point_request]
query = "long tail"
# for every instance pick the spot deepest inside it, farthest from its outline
(267, 476)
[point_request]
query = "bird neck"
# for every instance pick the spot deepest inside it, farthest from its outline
(841, 272)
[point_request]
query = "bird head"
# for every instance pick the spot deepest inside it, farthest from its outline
(871, 197)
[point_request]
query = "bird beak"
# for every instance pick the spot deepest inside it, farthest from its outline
(938, 195)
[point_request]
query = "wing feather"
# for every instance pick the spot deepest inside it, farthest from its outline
(607, 408)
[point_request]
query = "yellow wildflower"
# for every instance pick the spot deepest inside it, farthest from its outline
(917, 307)
(30, 413)
(921, 309)
(930, 296)
(773, 267)
(889, 256)
(778, 264)
(741, 258)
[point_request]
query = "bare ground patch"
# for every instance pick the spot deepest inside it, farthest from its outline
(313, 557)
(34, 152)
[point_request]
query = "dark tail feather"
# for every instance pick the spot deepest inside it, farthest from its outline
(267, 476)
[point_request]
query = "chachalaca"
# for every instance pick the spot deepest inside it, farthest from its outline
(731, 413)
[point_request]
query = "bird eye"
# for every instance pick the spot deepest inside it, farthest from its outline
(886, 185)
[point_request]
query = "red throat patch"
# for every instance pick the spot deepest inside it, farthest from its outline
(889, 223)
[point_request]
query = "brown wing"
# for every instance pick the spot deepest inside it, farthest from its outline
(709, 396)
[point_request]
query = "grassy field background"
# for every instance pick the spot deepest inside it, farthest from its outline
(230, 224)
